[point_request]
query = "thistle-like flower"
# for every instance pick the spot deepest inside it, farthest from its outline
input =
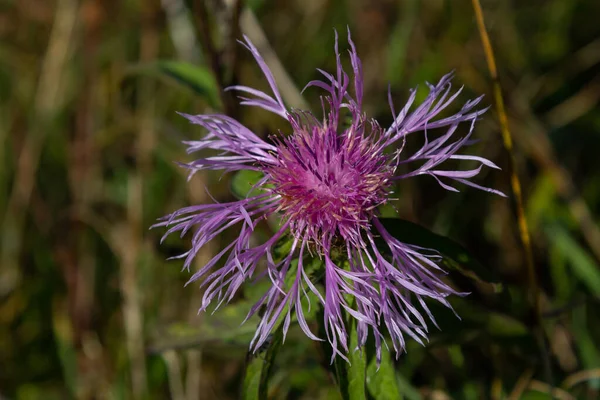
(326, 181)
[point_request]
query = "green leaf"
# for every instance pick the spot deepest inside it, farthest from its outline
(503, 325)
(339, 366)
(409, 391)
(259, 368)
(357, 368)
(587, 347)
(534, 395)
(219, 333)
(399, 41)
(456, 257)
(341, 375)
(350, 377)
(562, 280)
(382, 383)
(243, 182)
(582, 264)
(474, 318)
(195, 77)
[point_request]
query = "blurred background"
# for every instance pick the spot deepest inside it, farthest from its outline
(89, 306)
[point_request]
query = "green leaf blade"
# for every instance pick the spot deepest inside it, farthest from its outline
(243, 182)
(357, 368)
(198, 78)
(582, 264)
(382, 383)
(259, 368)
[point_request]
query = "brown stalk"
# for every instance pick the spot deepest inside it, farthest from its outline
(515, 187)
(132, 248)
(80, 274)
(174, 373)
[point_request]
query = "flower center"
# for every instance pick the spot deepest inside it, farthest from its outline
(330, 184)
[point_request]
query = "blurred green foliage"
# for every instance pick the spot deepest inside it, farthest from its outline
(89, 306)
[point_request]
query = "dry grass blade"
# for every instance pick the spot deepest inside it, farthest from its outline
(515, 184)
(508, 145)
(48, 92)
(175, 374)
(251, 27)
(555, 393)
(521, 385)
(580, 377)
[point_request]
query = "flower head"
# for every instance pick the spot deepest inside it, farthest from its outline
(326, 181)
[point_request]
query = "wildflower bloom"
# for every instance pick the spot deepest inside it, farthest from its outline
(326, 181)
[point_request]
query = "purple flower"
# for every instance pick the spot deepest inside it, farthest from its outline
(326, 181)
